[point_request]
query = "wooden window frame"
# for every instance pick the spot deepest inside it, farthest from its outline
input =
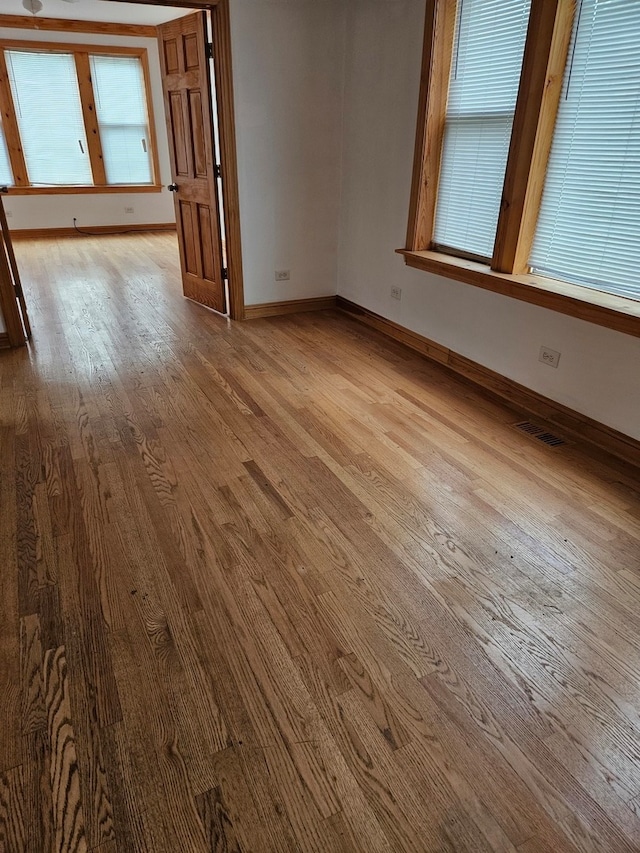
(545, 56)
(81, 54)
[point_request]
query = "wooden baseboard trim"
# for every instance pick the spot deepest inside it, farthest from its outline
(571, 423)
(289, 306)
(95, 230)
(4, 340)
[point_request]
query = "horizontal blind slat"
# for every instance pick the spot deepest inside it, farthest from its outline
(485, 74)
(123, 122)
(588, 224)
(49, 114)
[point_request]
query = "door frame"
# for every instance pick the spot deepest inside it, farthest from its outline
(221, 35)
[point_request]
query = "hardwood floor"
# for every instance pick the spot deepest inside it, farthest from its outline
(286, 586)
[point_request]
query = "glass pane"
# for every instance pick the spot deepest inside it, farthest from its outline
(49, 113)
(588, 225)
(483, 87)
(474, 159)
(123, 122)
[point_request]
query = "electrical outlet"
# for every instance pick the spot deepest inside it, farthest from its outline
(8, 214)
(128, 210)
(549, 356)
(396, 293)
(283, 275)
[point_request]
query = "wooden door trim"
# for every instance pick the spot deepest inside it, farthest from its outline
(221, 31)
(8, 302)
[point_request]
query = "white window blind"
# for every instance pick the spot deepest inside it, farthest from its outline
(485, 74)
(6, 176)
(589, 224)
(49, 113)
(121, 109)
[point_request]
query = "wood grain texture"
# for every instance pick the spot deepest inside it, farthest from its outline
(15, 272)
(85, 190)
(13, 310)
(111, 50)
(222, 65)
(545, 57)
(10, 128)
(585, 303)
(68, 831)
(9, 305)
(288, 585)
(440, 18)
(188, 94)
(288, 306)
(90, 118)
(568, 421)
(58, 25)
(95, 230)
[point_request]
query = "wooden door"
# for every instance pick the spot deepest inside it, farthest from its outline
(188, 108)
(13, 308)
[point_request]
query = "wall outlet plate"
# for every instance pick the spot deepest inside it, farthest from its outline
(549, 356)
(128, 210)
(282, 275)
(396, 293)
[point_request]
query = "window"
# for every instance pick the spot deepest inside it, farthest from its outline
(78, 118)
(45, 89)
(527, 168)
(485, 70)
(588, 228)
(123, 122)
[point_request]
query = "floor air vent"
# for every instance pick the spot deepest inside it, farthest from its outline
(540, 433)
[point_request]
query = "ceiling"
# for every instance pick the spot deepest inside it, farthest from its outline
(97, 10)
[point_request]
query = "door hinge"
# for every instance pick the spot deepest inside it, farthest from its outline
(225, 274)
(217, 170)
(209, 50)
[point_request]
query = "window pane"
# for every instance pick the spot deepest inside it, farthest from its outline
(588, 226)
(123, 121)
(485, 74)
(49, 113)
(6, 176)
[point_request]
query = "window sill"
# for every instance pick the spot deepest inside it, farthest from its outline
(113, 188)
(594, 306)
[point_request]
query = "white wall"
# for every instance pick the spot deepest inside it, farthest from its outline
(57, 211)
(599, 371)
(287, 67)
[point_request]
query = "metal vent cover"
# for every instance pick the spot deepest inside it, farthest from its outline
(540, 433)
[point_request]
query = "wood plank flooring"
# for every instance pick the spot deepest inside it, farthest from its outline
(286, 586)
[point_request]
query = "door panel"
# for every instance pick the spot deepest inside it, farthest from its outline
(197, 135)
(190, 52)
(188, 106)
(179, 134)
(208, 254)
(170, 52)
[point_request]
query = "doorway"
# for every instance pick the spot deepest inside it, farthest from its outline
(207, 204)
(215, 242)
